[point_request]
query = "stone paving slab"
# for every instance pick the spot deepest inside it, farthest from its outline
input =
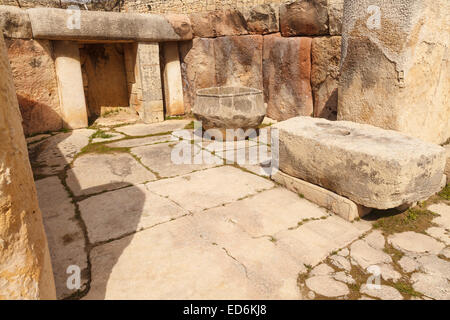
(37, 138)
(210, 188)
(93, 173)
(167, 262)
(113, 136)
(175, 159)
(413, 242)
(131, 143)
(142, 129)
(246, 156)
(64, 234)
(53, 154)
(116, 213)
(268, 212)
(314, 241)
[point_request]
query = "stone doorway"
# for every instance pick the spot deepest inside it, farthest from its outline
(104, 78)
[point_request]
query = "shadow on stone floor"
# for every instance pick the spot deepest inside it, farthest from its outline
(70, 239)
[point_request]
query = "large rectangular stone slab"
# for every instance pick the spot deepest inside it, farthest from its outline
(59, 24)
(304, 17)
(287, 76)
(374, 167)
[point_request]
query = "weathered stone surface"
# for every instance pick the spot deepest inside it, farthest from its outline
(383, 293)
(314, 241)
(375, 239)
(335, 14)
(305, 17)
(262, 19)
(131, 143)
(218, 23)
(408, 264)
(113, 136)
(388, 273)
(165, 159)
(239, 61)
(260, 216)
(198, 68)
(53, 154)
(321, 270)
(58, 24)
(222, 185)
(37, 138)
(433, 265)
(94, 173)
(70, 84)
(15, 22)
(225, 108)
(444, 214)
(382, 172)
(65, 236)
(287, 74)
(337, 204)
(343, 277)
(327, 286)
(325, 58)
(25, 266)
(365, 256)
(36, 84)
(412, 242)
(405, 59)
(151, 108)
(173, 87)
(121, 212)
(341, 262)
(140, 129)
(440, 234)
(433, 286)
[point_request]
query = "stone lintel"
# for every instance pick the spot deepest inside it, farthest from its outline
(343, 207)
(60, 24)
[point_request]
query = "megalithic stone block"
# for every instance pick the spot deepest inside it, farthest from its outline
(374, 167)
(25, 266)
(395, 66)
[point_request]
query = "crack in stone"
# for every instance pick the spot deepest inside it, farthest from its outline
(240, 263)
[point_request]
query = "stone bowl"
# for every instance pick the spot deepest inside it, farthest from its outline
(224, 110)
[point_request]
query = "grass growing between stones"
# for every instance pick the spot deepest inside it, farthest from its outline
(100, 148)
(445, 193)
(406, 289)
(100, 134)
(417, 219)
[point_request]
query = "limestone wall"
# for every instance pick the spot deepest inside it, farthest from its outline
(25, 267)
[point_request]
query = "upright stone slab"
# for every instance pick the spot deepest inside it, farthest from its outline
(325, 58)
(239, 61)
(173, 87)
(374, 167)
(25, 267)
(395, 66)
(304, 18)
(287, 76)
(70, 83)
(262, 19)
(150, 78)
(198, 68)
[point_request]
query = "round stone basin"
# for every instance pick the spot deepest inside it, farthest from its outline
(223, 108)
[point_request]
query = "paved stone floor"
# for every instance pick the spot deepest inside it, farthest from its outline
(141, 227)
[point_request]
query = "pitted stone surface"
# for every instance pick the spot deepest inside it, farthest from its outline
(321, 270)
(371, 159)
(343, 277)
(388, 273)
(341, 262)
(375, 239)
(408, 264)
(93, 173)
(412, 242)
(444, 211)
(433, 286)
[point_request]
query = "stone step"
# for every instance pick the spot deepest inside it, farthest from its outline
(374, 167)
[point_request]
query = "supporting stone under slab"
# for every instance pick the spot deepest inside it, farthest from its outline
(343, 207)
(70, 83)
(25, 266)
(173, 86)
(150, 79)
